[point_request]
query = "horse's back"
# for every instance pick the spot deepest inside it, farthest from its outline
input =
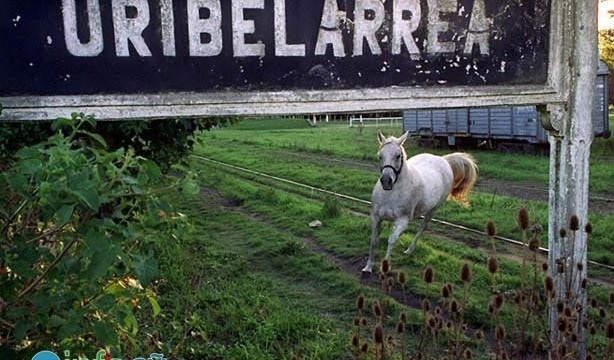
(431, 166)
(435, 177)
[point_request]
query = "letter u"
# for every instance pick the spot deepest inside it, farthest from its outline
(75, 47)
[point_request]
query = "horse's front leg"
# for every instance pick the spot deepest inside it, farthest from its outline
(400, 225)
(376, 226)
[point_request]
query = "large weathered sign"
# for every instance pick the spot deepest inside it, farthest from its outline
(126, 57)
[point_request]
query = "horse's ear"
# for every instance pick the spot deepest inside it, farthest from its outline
(403, 137)
(380, 137)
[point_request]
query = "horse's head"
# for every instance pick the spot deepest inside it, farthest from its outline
(391, 159)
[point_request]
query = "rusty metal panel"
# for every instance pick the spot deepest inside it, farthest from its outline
(206, 57)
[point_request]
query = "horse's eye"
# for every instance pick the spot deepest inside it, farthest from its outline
(398, 157)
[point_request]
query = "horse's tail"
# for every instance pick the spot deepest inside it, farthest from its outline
(465, 171)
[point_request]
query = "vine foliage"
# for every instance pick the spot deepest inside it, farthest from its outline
(77, 225)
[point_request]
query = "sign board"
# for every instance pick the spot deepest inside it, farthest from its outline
(159, 58)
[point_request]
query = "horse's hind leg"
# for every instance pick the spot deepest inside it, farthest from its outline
(425, 222)
(400, 225)
(376, 225)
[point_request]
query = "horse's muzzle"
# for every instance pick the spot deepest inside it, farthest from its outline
(387, 182)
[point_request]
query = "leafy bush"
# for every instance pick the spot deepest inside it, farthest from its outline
(76, 224)
(166, 142)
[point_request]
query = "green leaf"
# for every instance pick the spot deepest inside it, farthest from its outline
(69, 330)
(99, 265)
(85, 192)
(64, 214)
(190, 187)
(89, 119)
(28, 152)
(154, 304)
(145, 267)
(151, 169)
(56, 321)
(102, 255)
(18, 181)
(114, 289)
(131, 323)
(21, 327)
(62, 122)
(99, 139)
(30, 166)
(105, 333)
(96, 240)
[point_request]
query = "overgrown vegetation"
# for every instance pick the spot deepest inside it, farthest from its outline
(345, 237)
(298, 154)
(519, 324)
(78, 228)
(240, 273)
(341, 142)
(165, 142)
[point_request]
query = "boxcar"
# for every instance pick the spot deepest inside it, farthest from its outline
(498, 125)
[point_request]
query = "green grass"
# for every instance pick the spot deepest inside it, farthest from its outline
(232, 302)
(341, 141)
(346, 237)
(241, 288)
(358, 181)
(247, 285)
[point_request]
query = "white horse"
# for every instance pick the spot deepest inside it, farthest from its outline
(414, 187)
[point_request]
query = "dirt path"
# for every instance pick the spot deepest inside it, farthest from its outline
(354, 265)
(350, 266)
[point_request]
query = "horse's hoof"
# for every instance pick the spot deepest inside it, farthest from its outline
(365, 275)
(409, 251)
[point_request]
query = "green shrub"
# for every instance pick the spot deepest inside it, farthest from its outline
(77, 222)
(166, 141)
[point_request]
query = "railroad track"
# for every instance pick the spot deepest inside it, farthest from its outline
(373, 167)
(368, 203)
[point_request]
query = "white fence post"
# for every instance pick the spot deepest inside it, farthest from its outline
(569, 160)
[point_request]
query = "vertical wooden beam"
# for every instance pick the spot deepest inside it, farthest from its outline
(569, 160)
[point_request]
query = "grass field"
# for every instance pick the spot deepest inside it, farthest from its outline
(271, 147)
(256, 282)
(350, 143)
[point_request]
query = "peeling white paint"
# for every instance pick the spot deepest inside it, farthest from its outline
(74, 45)
(502, 66)
(16, 20)
(211, 26)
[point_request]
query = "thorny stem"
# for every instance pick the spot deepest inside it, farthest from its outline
(45, 234)
(13, 215)
(524, 259)
(7, 323)
(49, 268)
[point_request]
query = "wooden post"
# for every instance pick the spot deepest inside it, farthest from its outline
(569, 167)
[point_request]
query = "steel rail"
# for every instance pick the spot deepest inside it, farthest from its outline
(485, 183)
(366, 202)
